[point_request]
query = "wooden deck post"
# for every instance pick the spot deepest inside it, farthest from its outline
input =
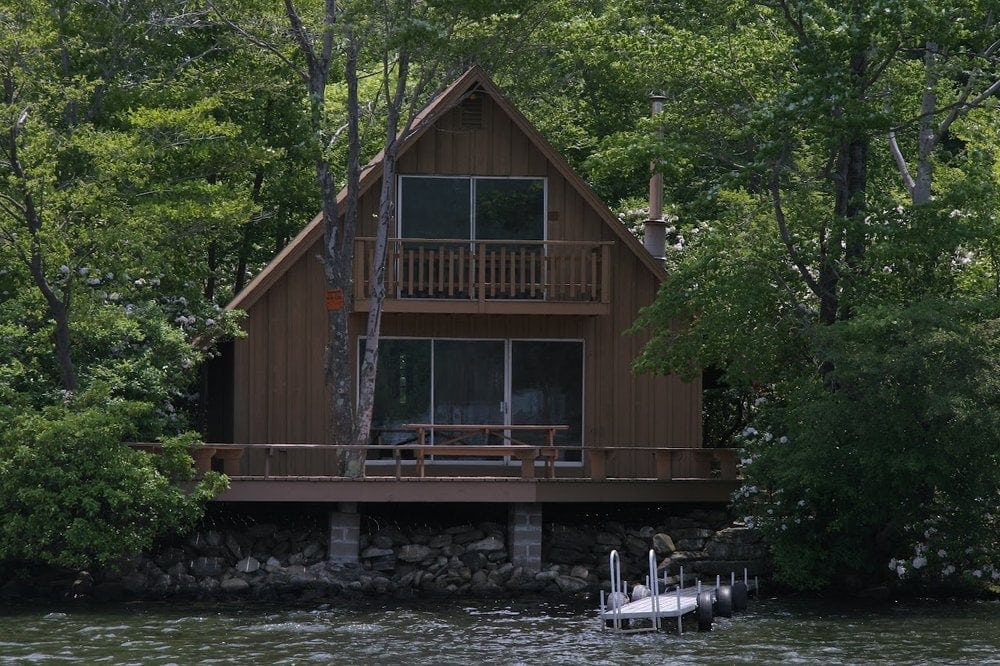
(664, 468)
(596, 460)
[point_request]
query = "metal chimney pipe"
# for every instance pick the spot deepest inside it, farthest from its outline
(655, 228)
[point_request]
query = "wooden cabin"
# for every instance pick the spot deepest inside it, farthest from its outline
(504, 371)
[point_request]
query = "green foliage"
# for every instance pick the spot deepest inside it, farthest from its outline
(73, 494)
(854, 466)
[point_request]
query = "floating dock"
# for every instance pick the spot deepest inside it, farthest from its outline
(621, 614)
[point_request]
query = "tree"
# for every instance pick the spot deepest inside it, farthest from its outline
(860, 315)
(63, 508)
(404, 45)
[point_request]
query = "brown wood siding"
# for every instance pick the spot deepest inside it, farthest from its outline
(278, 371)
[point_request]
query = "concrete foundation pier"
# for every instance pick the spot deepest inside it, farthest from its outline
(345, 534)
(524, 538)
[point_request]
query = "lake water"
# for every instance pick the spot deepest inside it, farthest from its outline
(499, 632)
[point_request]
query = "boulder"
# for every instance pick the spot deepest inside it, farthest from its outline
(204, 567)
(440, 541)
(376, 551)
(489, 544)
(248, 565)
(234, 585)
(663, 544)
(570, 585)
(414, 552)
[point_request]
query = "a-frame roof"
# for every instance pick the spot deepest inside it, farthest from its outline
(473, 80)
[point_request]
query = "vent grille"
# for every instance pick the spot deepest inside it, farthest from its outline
(472, 112)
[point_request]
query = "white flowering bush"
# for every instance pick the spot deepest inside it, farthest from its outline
(886, 467)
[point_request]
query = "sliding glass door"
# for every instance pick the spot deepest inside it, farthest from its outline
(480, 382)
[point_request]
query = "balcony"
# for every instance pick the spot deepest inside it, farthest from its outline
(488, 277)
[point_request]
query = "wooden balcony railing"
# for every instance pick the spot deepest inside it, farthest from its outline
(475, 275)
(318, 461)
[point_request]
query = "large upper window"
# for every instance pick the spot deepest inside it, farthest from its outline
(472, 208)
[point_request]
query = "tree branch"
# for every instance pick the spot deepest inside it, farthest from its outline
(257, 41)
(779, 216)
(904, 170)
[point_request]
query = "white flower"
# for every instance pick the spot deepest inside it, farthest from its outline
(140, 282)
(892, 564)
(210, 322)
(900, 570)
(64, 269)
(948, 570)
(93, 282)
(978, 573)
(919, 562)
(783, 440)
(84, 270)
(942, 553)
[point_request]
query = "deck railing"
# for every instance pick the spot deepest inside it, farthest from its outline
(551, 271)
(281, 461)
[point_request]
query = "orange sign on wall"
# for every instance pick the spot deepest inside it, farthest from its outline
(334, 299)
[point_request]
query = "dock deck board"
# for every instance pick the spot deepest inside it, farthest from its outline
(642, 609)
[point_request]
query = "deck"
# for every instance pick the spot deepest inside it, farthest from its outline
(459, 473)
(488, 277)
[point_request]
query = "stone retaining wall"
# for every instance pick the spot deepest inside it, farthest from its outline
(268, 561)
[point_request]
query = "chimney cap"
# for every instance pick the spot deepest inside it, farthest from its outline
(657, 96)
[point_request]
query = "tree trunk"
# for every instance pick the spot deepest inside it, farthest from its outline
(850, 185)
(921, 193)
(339, 263)
(386, 215)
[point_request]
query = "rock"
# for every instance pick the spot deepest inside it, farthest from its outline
(214, 538)
(636, 546)
(691, 533)
(414, 552)
(440, 541)
(375, 551)
(384, 563)
(169, 557)
(312, 551)
(566, 555)
(646, 532)
(248, 565)
(204, 567)
(474, 560)
(608, 539)
(272, 565)
(489, 544)
(208, 586)
(233, 546)
(690, 544)
(260, 530)
(382, 541)
(134, 583)
(569, 584)
(580, 572)
(663, 544)
(234, 585)
(462, 538)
